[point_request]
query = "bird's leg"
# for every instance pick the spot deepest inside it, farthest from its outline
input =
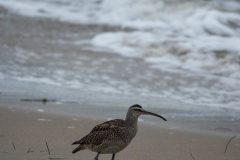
(113, 156)
(96, 158)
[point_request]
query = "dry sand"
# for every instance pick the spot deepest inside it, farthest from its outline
(28, 132)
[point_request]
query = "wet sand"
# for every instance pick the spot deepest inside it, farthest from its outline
(24, 134)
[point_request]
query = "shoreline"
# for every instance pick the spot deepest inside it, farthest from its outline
(211, 125)
(29, 131)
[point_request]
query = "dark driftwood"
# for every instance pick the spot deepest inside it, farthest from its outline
(29, 150)
(52, 158)
(191, 155)
(48, 148)
(229, 141)
(14, 147)
(43, 100)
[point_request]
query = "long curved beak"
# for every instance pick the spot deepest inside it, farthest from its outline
(153, 114)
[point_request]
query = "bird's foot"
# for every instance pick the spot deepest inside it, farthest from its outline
(96, 158)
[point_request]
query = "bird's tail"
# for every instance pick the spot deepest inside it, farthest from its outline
(79, 148)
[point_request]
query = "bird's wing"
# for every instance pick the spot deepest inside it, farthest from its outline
(108, 125)
(102, 131)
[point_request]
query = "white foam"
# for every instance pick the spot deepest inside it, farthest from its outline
(140, 14)
(197, 54)
(28, 8)
(126, 44)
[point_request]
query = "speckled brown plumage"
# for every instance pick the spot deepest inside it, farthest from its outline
(113, 136)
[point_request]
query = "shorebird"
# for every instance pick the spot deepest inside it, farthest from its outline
(113, 136)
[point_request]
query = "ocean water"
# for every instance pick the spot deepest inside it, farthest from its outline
(184, 52)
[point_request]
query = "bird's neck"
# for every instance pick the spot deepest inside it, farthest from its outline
(131, 120)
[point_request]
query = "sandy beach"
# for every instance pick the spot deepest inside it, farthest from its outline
(24, 134)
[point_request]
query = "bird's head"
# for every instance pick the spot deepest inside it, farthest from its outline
(137, 110)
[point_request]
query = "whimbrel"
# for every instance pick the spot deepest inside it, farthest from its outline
(113, 136)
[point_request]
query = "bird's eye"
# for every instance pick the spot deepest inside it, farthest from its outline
(139, 110)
